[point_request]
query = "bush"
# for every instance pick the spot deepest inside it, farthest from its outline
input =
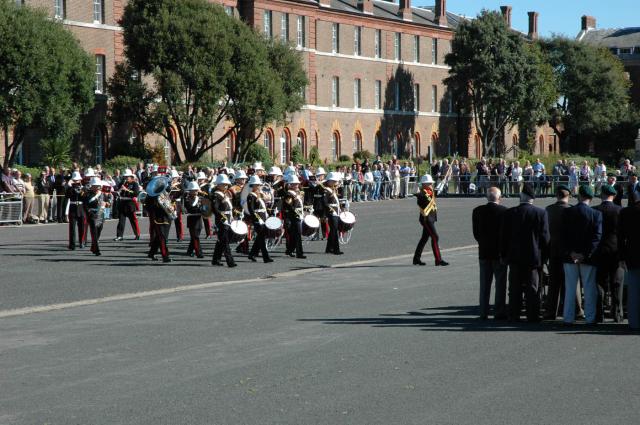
(314, 156)
(34, 171)
(362, 155)
(56, 151)
(258, 152)
(296, 155)
(122, 162)
(344, 158)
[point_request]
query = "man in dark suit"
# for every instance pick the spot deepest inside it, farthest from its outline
(556, 270)
(609, 274)
(486, 224)
(628, 248)
(524, 240)
(612, 181)
(582, 228)
(634, 185)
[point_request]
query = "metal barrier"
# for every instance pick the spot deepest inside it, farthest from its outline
(11, 208)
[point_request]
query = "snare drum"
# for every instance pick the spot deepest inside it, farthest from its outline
(239, 231)
(310, 225)
(273, 226)
(347, 221)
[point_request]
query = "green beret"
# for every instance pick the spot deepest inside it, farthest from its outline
(609, 190)
(562, 188)
(585, 191)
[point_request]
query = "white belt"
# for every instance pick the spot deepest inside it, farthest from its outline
(260, 210)
(75, 203)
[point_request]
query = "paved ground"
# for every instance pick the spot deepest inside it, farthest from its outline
(355, 339)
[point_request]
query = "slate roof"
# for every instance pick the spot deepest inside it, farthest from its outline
(619, 38)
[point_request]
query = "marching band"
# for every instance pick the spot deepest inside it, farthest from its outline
(264, 208)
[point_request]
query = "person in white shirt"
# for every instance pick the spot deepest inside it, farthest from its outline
(516, 177)
(367, 189)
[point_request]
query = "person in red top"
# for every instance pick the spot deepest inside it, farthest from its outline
(428, 217)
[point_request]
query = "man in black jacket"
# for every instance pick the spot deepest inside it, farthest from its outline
(486, 230)
(556, 270)
(582, 228)
(628, 248)
(609, 275)
(524, 239)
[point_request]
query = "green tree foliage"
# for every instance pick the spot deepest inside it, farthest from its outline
(594, 92)
(296, 155)
(495, 67)
(314, 156)
(183, 49)
(257, 152)
(46, 79)
(56, 151)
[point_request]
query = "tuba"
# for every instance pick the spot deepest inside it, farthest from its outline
(157, 188)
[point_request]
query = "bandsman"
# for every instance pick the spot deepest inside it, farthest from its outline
(426, 199)
(75, 211)
(331, 208)
(223, 211)
(127, 205)
(192, 205)
(258, 214)
(293, 214)
(176, 198)
(94, 205)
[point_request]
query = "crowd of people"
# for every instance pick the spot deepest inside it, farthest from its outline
(587, 249)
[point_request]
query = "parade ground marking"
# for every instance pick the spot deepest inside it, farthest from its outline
(144, 294)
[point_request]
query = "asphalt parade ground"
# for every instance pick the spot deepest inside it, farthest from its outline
(363, 338)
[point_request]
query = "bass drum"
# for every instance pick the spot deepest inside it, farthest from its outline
(310, 225)
(273, 226)
(347, 221)
(205, 207)
(239, 231)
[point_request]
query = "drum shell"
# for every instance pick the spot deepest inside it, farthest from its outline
(273, 227)
(310, 225)
(238, 231)
(205, 208)
(346, 221)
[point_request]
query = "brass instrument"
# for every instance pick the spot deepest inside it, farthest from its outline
(430, 207)
(157, 187)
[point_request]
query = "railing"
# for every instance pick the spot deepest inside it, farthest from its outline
(10, 208)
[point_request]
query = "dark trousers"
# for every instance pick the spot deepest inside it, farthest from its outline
(61, 204)
(222, 245)
(77, 223)
(294, 240)
(556, 287)
(259, 244)
(178, 222)
(95, 229)
(610, 277)
(194, 224)
(127, 211)
(333, 245)
(159, 241)
(524, 280)
(490, 269)
(428, 232)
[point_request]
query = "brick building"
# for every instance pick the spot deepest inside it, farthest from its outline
(622, 42)
(375, 67)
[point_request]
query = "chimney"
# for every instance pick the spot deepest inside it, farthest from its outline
(533, 25)
(506, 13)
(404, 11)
(588, 23)
(441, 12)
(366, 6)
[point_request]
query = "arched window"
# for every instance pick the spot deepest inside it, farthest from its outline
(418, 150)
(357, 142)
(413, 147)
(541, 145)
(301, 141)
(229, 144)
(432, 146)
(285, 146)
(335, 145)
(514, 140)
(267, 140)
(395, 144)
(376, 143)
(478, 147)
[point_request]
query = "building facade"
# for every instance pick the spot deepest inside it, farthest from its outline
(375, 70)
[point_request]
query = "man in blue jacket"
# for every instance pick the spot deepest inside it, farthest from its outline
(582, 234)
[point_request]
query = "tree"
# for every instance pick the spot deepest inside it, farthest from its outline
(46, 79)
(183, 50)
(494, 65)
(594, 92)
(268, 84)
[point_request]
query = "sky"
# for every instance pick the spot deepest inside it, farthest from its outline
(556, 16)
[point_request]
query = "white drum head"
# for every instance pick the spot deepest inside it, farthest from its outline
(347, 217)
(239, 227)
(273, 223)
(312, 221)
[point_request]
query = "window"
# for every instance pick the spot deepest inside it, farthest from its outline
(434, 51)
(377, 43)
(302, 142)
(284, 26)
(625, 51)
(97, 136)
(613, 50)
(356, 93)
(378, 94)
(268, 141)
(284, 145)
(450, 103)
(396, 97)
(228, 144)
(98, 11)
(357, 37)
(434, 98)
(376, 142)
(267, 24)
(416, 98)
(100, 74)
(397, 47)
(335, 146)
(228, 10)
(335, 91)
(416, 48)
(357, 142)
(59, 9)
(300, 36)
(335, 38)
(395, 145)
